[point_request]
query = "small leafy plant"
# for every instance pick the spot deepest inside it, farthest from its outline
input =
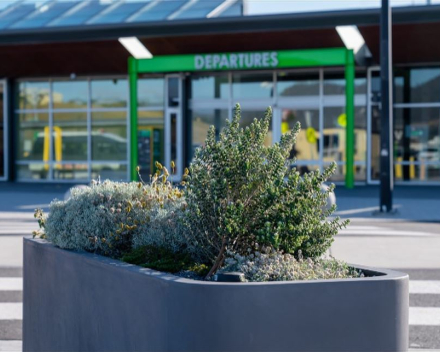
(242, 195)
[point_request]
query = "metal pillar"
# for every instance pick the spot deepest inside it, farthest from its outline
(133, 77)
(386, 124)
(349, 112)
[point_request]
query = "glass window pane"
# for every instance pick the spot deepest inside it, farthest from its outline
(334, 84)
(70, 95)
(109, 135)
(417, 85)
(334, 134)
(70, 136)
(248, 116)
(2, 127)
(200, 9)
(248, 86)
(10, 17)
(80, 16)
(416, 137)
(202, 119)
(210, 87)
(120, 13)
(160, 11)
(307, 143)
(32, 171)
(173, 92)
(151, 92)
(109, 93)
(109, 171)
(297, 84)
(33, 137)
(150, 141)
(70, 172)
(417, 172)
(44, 14)
(375, 143)
(33, 95)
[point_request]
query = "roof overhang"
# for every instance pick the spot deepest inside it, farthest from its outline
(292, 21)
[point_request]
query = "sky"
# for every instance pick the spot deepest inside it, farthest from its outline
(260, 7)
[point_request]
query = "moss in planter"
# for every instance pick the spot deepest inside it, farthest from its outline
(163, 259)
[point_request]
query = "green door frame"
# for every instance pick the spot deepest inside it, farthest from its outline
(248, 61)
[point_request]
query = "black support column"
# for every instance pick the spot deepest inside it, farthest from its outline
(386, 137)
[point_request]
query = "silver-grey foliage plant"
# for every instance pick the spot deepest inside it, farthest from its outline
(277, 266)
(242, 194)
(111, 218)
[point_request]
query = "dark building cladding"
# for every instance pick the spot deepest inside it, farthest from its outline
(64, 89)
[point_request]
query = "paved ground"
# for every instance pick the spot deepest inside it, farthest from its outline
(408, 241)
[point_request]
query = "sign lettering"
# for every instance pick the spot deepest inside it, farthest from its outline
(236, 61)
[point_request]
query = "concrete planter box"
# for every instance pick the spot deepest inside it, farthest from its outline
(84, 302)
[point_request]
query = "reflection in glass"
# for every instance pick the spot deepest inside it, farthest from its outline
(32, 171)
(33, 136)
(150, 141)
(69, 136)
(375, 143)
(109, 171)
(416, 137)
(150, 92)
(33, 95)
(421, 172)
(252, 86)
(70, 95)
(70, 172)
(202, 119)
(210, 87)
(297, 84)
(109, 93)
(307, 143)
(335, 122)
(421, 85)
(109, 136)
(173, 92)
(2, 127)
(334, 84)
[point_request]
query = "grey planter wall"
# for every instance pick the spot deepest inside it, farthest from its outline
(84, 302)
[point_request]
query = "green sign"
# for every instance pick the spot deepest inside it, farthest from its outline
(243, 60)
(236, 61)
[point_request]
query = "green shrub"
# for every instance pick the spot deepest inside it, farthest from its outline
(110, 218)
(242, 194)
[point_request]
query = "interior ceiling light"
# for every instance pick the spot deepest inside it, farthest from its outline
(351, 37)
(135, 48)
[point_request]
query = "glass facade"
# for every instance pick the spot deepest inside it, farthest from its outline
(77, 130)
(314, 98)
(416, 130)
(71, 130)
(3, 132)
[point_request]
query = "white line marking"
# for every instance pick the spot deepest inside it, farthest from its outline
(424, 316)
(361, 210)
(11, 284)
(10, 345)
(11, 311)
(385, 232)
(424, 287)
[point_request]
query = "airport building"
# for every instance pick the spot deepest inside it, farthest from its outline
(92, 89)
